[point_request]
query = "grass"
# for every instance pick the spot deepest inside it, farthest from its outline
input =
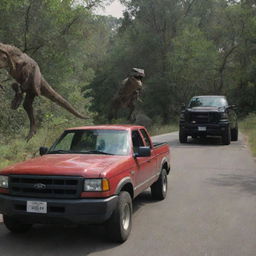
(16, 149)
(248, 127)
(161, 129)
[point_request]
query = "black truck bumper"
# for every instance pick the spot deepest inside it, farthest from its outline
(204, 129)
(60, 211)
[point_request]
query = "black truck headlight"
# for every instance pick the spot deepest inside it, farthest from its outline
(182, 116)
(3, 181)
(96, 185)
(223, 116)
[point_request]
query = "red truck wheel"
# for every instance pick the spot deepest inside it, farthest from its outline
(120, 223)
(159, 188)
(15, 225)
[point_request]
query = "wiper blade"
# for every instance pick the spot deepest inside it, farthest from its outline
(60, 151)
(97, 152)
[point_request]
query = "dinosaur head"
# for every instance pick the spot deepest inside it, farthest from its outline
(5, 58)
(138, 73)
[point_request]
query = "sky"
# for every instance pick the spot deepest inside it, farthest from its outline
(115, 9)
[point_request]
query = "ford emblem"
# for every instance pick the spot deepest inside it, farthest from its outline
(39, 186)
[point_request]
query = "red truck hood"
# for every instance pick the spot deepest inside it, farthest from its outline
(67, 164)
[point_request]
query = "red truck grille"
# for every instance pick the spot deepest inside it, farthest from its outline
(46, 186)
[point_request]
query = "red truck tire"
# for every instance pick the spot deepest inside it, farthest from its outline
(159, 188)
(120, 223)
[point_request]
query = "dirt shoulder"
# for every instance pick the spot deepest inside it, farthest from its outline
(248, 128)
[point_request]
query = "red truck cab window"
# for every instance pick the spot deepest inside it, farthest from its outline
(136, 141)
(146, 138)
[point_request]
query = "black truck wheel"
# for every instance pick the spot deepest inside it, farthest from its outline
(226, 137)
(183, 138)
(120, 223)
(159, 188)
(16, 226)
(234, 134)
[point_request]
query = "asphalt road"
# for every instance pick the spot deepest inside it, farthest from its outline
(210, 210)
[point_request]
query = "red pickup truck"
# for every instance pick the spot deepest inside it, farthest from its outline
(89, 175)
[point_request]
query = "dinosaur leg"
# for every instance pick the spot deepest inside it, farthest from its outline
(115, 106)
(131, 106)
(18, 96)
(30, 112)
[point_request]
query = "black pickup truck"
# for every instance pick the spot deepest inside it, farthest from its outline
(208, 115)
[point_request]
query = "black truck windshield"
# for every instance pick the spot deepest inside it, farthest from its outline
(98, 141)
(212, 101)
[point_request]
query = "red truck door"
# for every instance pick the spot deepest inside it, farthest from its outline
(144, 165)
(154, 157)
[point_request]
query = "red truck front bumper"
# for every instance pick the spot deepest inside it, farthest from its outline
(63, 211)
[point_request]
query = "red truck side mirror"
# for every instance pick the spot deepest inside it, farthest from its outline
(43, 151)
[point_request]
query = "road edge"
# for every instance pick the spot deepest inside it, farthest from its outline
(246, 142)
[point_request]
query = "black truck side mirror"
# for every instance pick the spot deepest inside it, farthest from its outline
(183, 106)
(234, 107)
(43, 151)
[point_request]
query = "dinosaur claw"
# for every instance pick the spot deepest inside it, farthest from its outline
(30, 135)
(16, 101)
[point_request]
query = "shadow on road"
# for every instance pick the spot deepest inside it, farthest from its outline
(62, 240)
(205, 142)
(198, 142)
(244, 183)
(55, 240)
(143, 199)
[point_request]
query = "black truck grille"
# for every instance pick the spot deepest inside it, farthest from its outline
(46, 186)
(203, 117)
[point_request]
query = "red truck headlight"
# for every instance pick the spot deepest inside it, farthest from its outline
(3, 181)
(96, 185)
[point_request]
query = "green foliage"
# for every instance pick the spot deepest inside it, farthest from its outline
(186, 48)
(193, 63)
(63, 37)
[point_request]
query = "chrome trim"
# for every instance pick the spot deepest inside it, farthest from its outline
(146, 181)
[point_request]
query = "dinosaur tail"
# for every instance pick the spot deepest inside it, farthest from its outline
(51, 94)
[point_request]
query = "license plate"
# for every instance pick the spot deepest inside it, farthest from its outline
(201, 128)
(37, 206)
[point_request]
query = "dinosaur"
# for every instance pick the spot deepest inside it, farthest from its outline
(128, 94)
(29, 81)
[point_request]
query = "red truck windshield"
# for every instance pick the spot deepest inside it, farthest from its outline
(97, 141)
